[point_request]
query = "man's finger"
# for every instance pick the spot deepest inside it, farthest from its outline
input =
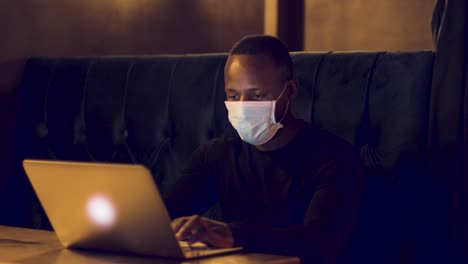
(217, 234)
(186, 230)
(178, 223)
(205, 236)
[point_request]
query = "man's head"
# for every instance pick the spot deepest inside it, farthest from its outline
(258, 68)
(259, 87)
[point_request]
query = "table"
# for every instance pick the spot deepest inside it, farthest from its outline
(21, 245)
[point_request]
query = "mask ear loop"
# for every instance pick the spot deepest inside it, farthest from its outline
(287, 105)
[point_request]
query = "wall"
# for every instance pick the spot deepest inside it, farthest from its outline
(103, 27)
(368, 25)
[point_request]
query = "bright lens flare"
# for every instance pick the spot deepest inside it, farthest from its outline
(101, 211)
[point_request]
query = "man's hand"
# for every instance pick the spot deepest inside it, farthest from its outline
(196, 228)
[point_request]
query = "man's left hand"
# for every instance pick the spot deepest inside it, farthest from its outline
(196, 228)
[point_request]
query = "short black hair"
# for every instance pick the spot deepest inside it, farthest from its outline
(265, 45)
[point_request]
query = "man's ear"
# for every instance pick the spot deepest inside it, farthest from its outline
(293, 88)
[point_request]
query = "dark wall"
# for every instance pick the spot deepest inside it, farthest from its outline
(109, 27)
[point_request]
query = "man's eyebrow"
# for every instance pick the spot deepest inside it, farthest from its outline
(230, 90)
(253, 89)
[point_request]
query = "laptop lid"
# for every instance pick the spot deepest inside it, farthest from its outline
(111, 207)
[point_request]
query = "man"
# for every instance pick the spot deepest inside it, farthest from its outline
(283, 186)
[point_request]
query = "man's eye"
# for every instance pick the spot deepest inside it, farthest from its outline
(257, 96)
(233, 97)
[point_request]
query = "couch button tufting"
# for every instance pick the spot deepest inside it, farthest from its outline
(41, 130)
(79, 131)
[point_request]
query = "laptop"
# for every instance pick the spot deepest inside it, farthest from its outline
(109, 207)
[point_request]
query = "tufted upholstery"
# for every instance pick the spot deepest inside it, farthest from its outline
(156, 110)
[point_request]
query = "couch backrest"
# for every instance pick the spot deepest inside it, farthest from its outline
(156, 110)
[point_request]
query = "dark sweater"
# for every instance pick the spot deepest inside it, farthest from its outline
(301, 199)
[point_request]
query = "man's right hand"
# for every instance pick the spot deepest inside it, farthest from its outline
(195, 228)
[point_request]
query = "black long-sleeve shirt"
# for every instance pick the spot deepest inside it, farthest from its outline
(302, 199)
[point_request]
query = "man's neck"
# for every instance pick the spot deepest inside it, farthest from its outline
(284, 136)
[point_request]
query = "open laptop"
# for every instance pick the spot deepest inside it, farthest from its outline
(110, 207)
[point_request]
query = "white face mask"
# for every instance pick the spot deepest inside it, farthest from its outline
(255, 120)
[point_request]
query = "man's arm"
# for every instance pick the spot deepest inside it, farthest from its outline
(329, 223)
(195, 192)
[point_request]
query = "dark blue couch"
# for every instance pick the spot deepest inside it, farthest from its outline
(156, 110)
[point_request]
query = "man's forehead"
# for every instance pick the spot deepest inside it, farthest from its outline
(251, 72)
(250, 61)
(251, 67)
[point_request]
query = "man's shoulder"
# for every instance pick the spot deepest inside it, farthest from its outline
(328, 139)
(329, 144)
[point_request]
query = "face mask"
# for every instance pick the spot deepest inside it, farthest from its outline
(255, 120)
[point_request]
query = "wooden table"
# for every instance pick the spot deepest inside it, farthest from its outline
(20, 245)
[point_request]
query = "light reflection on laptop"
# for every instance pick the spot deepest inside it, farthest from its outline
(101, 211)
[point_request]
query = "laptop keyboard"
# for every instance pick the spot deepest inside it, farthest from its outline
(195, 246)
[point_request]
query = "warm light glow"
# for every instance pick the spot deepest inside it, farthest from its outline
(270, 18)
(101, 211)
